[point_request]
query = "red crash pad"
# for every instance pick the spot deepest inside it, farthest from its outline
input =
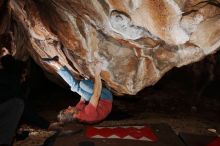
(215, 142)
(123, 132)
(164, 133)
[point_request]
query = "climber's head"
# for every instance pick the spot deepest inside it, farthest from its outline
(67, 115)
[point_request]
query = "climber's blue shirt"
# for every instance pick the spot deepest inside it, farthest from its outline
(83, 87)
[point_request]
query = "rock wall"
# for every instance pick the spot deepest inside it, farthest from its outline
(137, 41)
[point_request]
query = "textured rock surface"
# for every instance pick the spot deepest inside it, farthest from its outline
(137, 41)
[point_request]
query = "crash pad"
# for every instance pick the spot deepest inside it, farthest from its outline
(122, 132)
(164, 134)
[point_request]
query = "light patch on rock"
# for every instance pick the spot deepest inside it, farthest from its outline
(179, 36)
(123, 25)
(190, 23)
(175, 6)
(136, 4)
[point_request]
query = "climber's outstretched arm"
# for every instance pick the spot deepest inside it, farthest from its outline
(97, 86)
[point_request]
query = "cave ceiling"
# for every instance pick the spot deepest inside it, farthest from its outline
(137, 41)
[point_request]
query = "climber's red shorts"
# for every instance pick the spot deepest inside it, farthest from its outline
(90, 114)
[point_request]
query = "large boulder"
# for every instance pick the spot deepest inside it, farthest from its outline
(137, 41)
